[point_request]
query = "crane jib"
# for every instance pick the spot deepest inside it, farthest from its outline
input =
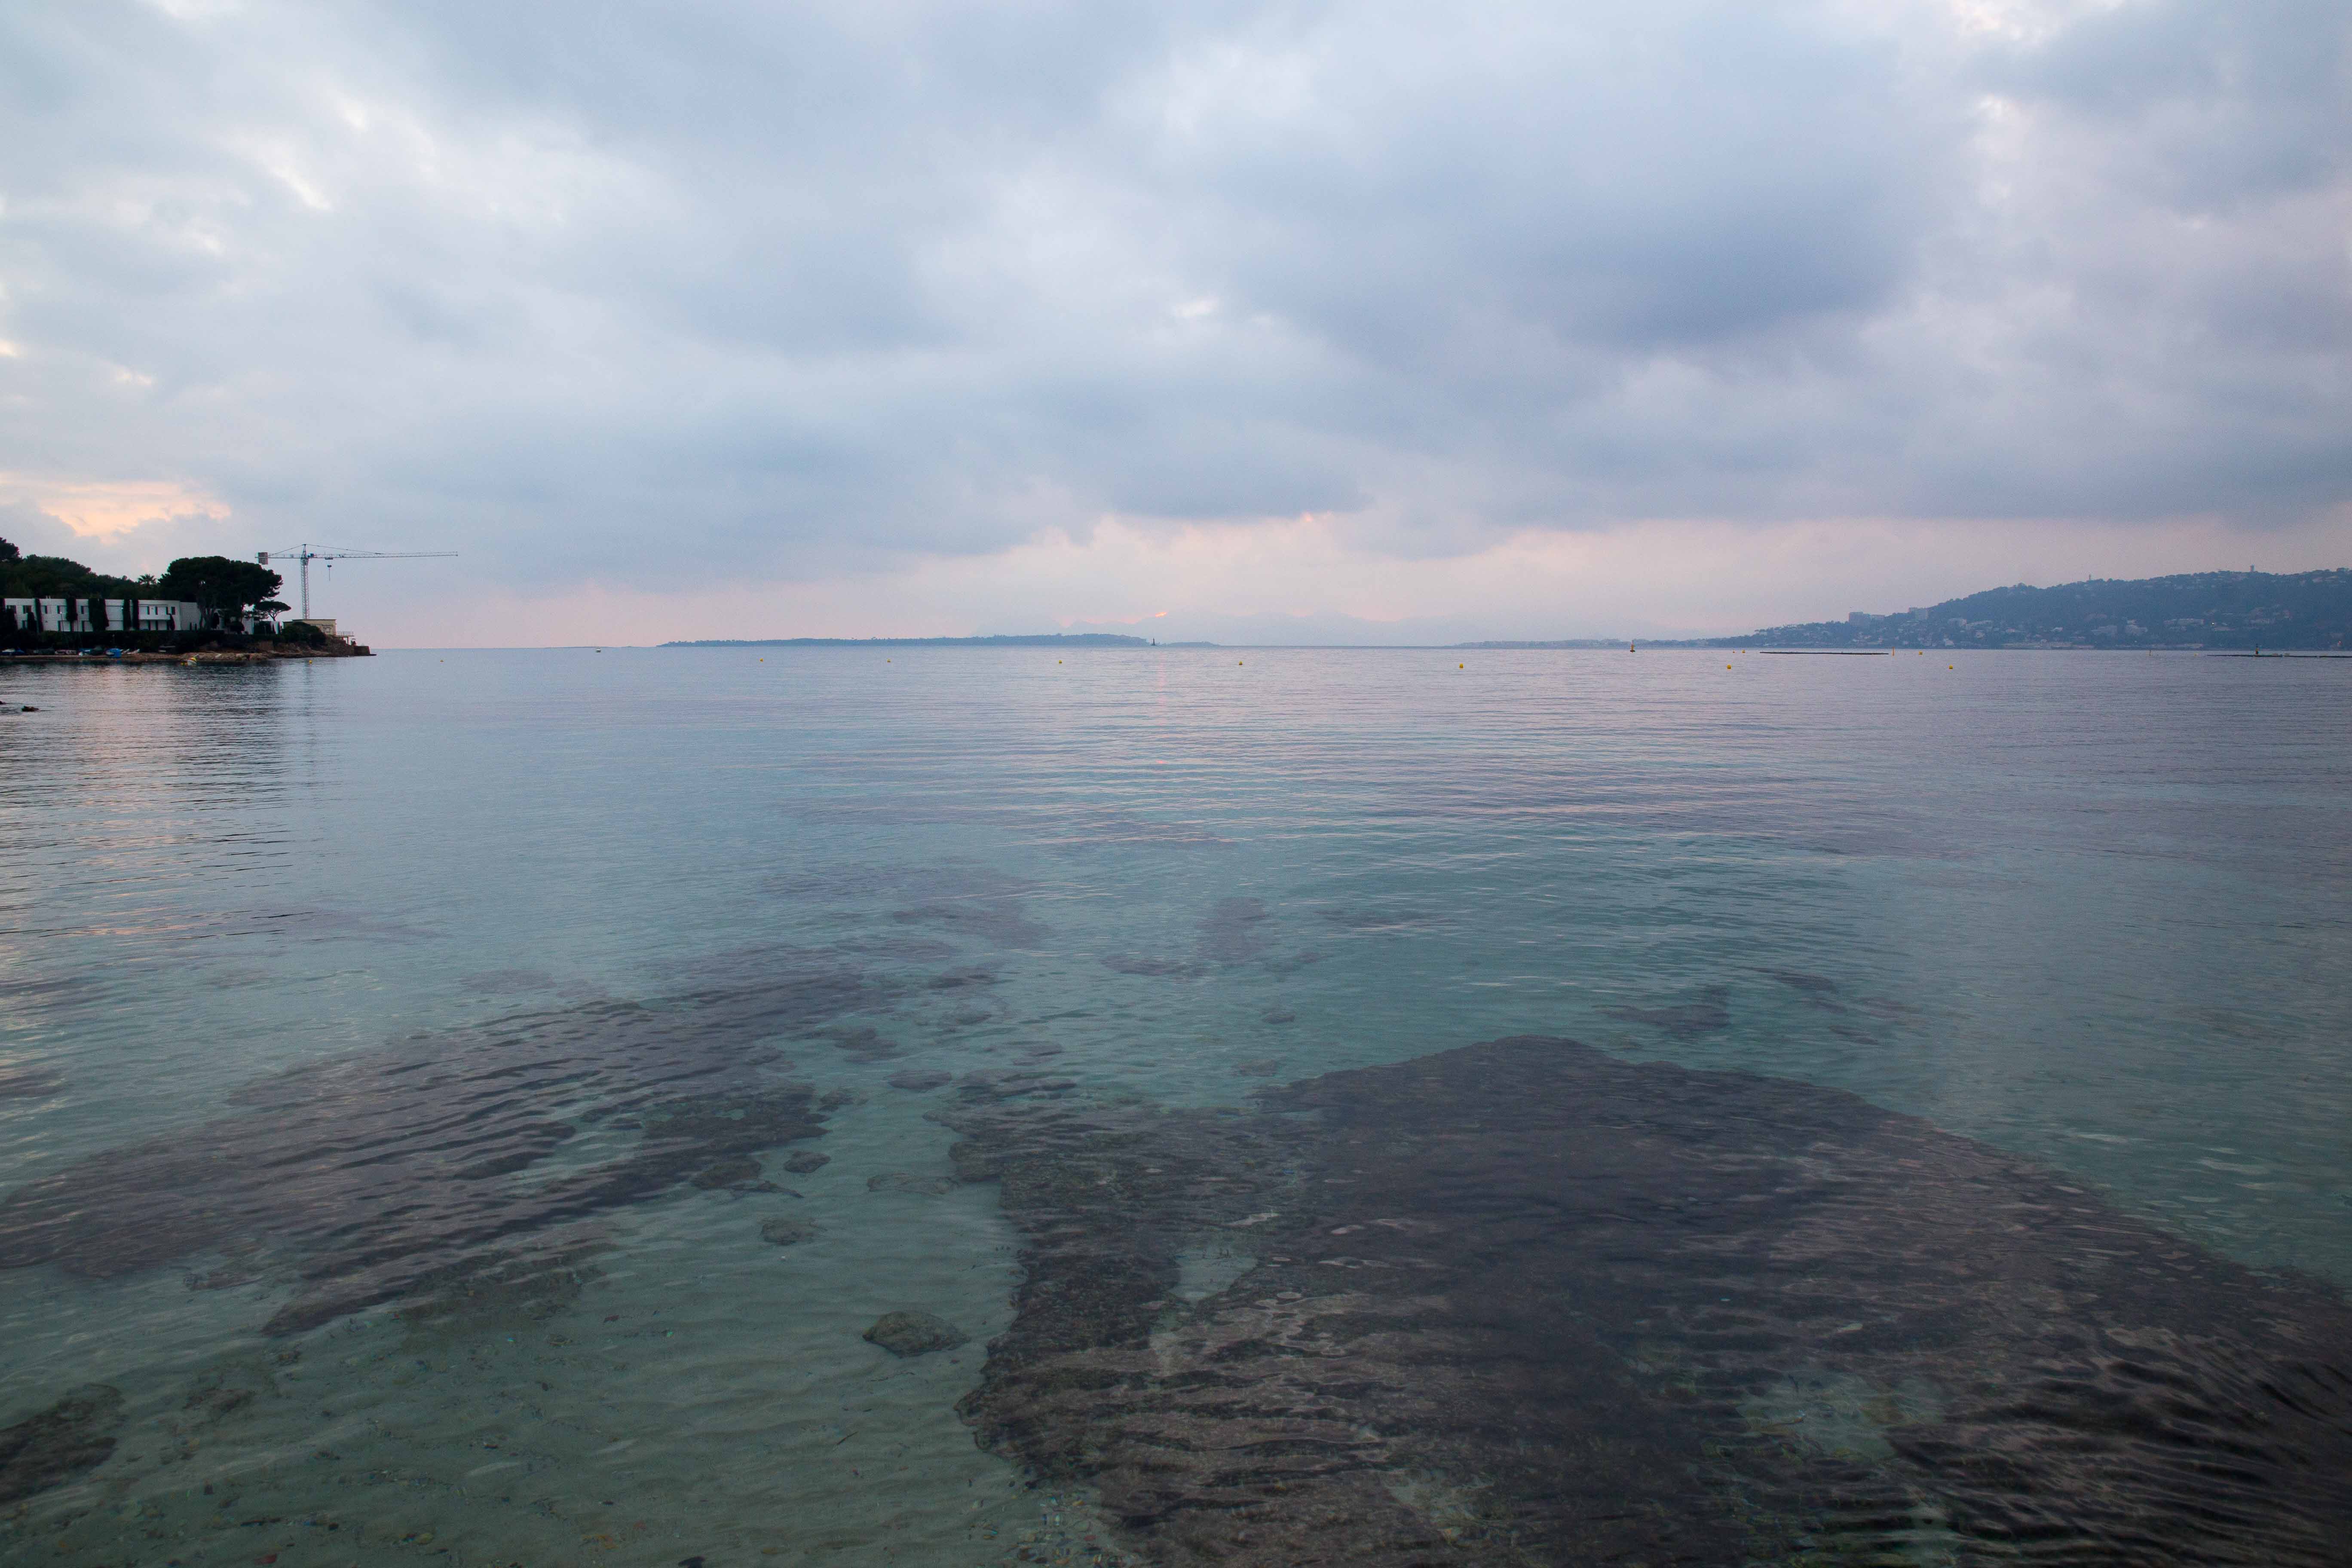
(306, 554)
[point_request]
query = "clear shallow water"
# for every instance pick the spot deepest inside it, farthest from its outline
(2086, 910)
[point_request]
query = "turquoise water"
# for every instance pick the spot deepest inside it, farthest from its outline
(2087, 908)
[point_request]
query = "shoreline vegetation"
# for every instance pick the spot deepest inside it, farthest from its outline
(52, 608)
(188, 648)
(2237, 612)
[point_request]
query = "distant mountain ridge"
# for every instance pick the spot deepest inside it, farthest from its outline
(2197, 610)
(2218, 610)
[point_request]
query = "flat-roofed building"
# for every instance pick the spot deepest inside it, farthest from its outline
(75, 614)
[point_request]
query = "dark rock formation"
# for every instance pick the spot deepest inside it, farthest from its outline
(802, 1161)
(914, 1334)
(377, 1175)
(785, 1232)
(922, 1081)
(1525, 1302)
(728, 1174)
(75, 1434)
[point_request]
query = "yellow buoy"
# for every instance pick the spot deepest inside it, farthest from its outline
(1461, 666)
(1726, 667)
(1237, 662)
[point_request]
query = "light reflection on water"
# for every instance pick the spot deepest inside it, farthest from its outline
(2087, 908)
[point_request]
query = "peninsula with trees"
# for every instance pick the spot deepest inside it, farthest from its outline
(209, 606)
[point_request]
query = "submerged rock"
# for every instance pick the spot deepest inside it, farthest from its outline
(75, 1434)
(1526, 1302)
(728, 1174)
(921, 1082)
(800, 1162)
(518, 1281)
(212, 1396)
(914, 1334)
(904, 1182)
(377, 1175)
(782, 1231)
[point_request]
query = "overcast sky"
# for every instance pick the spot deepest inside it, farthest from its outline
(1222, 318)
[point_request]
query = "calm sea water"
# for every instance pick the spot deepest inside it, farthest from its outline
(2087, 910)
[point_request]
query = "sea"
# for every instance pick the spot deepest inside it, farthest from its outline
(412, 1071)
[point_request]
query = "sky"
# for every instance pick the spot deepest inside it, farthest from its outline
(1228, 319)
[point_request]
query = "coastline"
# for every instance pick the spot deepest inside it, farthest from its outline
(80, 657)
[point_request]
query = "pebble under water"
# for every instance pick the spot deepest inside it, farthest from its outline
(1350, 1107)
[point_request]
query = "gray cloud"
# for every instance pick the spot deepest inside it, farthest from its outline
(578, 289)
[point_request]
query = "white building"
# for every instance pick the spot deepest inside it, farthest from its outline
(71, 615)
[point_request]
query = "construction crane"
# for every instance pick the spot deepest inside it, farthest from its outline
(330, 554)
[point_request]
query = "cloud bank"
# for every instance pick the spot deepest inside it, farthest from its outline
(820, 305)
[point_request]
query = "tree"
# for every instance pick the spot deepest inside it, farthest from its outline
(7, 551)
(224, 587)
(270, 607)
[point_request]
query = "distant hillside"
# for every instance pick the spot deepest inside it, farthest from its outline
(1048, 639)
(2203, 609)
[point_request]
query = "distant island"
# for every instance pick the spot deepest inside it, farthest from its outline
(2196, 610)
